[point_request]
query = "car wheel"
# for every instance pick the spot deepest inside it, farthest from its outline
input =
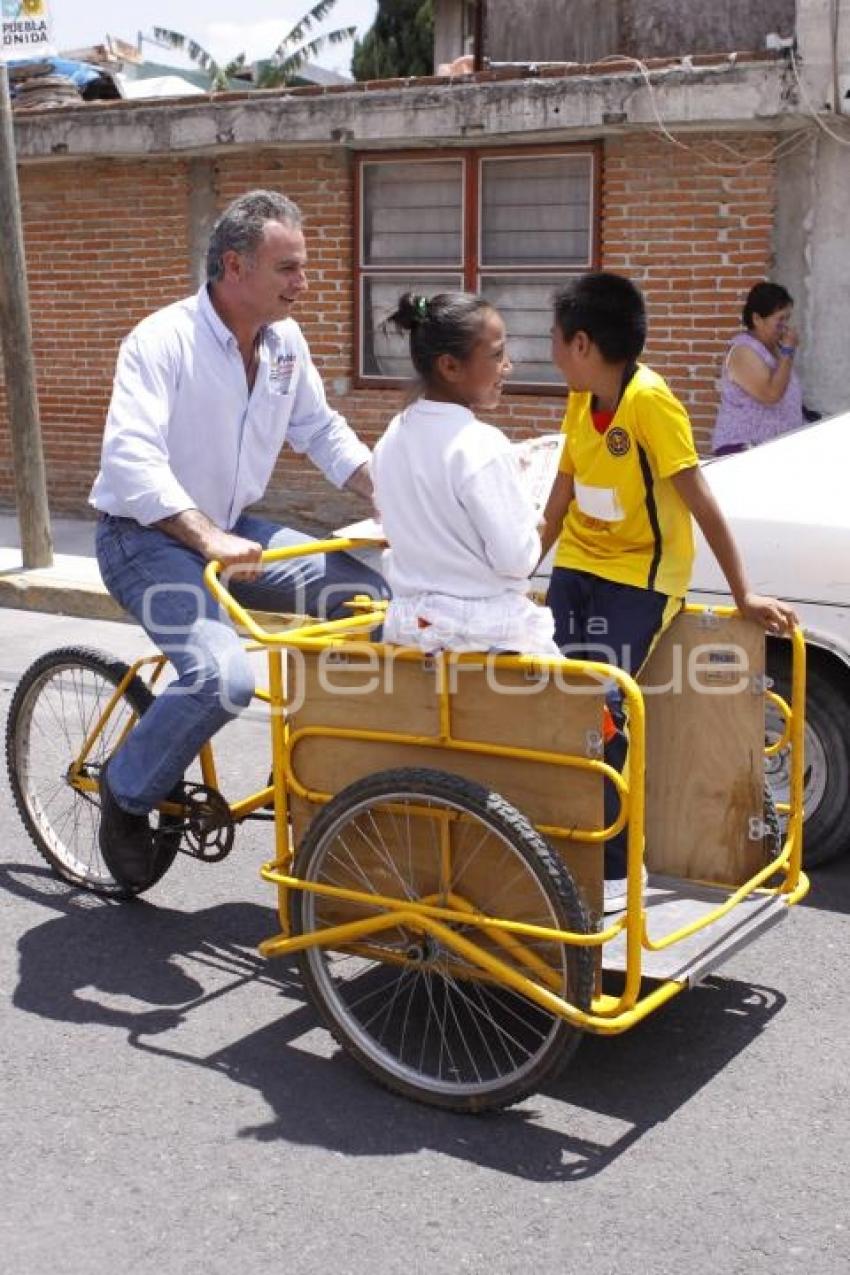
(826, 782)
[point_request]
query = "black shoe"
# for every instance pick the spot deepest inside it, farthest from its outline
(126, 841)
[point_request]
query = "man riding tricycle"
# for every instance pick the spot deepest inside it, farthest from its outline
(439, 830)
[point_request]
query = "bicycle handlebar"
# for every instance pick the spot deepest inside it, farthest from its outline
(238, 614)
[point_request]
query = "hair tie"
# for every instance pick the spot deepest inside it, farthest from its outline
(421, 306)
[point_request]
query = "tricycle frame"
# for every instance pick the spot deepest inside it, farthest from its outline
(435, 916)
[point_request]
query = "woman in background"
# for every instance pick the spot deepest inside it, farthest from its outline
(760, 392)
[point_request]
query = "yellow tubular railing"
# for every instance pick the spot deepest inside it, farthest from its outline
(436, 916)
(796, 877)
(785, 735)
(265, 638)
(414, 918)
(448, 743)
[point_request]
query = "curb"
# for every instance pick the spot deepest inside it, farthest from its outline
(43, 590)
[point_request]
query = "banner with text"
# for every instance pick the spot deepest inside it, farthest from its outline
(26, 30)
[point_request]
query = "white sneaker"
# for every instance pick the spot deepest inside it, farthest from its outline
(614, 896)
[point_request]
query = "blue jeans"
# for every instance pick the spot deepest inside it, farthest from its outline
(160, 583)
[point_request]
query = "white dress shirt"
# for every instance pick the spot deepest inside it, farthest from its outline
(185, 432)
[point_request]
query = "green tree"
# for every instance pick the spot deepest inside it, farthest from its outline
(400, 42)
(284, 63)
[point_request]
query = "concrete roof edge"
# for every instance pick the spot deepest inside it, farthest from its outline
(576, 103)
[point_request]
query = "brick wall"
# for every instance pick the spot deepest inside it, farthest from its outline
(107, 242)
(693, 228)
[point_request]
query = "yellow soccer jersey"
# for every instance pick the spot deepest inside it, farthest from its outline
(627, 522)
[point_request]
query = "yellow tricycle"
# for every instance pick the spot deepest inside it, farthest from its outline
(439, 829)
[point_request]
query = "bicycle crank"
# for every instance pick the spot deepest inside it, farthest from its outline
(207, 830)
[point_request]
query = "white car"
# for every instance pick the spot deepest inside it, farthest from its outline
(788, 505)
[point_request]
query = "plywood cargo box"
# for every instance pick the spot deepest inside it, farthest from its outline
(705, 728)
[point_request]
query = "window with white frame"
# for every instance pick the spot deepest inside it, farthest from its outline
(510, 225)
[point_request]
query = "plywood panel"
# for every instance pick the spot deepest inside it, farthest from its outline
(509, 709)
(705, 740)
(547, 794)
(508, 706)
(351, 689)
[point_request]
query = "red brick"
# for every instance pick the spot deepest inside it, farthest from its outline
(107, 242)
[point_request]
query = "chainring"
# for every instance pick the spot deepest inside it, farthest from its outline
(207, 830)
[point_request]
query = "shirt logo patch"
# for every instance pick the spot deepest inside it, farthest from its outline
(281, 370)
(617, 441)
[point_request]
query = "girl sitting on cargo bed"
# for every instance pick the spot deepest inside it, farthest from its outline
(462, 530)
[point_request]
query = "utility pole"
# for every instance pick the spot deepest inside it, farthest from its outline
(479, 20)
(18, 363)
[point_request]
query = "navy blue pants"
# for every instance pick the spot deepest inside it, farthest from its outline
(598, 619)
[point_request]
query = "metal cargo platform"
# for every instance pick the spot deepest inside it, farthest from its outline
(672, 904)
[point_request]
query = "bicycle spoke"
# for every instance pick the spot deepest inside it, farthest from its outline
(424, 1017)
(58, 705)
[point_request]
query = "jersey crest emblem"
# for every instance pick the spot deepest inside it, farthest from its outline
(617, 441)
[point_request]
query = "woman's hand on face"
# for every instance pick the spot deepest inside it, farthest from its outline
(789, 337)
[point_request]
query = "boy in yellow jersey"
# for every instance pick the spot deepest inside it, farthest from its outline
(621, 507)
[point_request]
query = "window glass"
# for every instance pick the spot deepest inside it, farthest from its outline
(536, 211)
(385, 352)
(525, 304)
(412, 213)
(511, 225)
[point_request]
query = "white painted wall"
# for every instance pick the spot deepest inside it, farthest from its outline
(823, 43)
(812, 231)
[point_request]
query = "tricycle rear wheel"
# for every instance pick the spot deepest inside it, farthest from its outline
(422, 1019)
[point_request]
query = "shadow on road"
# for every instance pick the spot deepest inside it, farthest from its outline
(635, 1081)
(830, 890)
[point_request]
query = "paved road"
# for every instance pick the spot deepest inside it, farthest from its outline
(170, 1105)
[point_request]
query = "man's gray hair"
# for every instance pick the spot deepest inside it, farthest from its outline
(240, 226)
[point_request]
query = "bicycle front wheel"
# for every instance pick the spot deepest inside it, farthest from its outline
(423, 1020)
(56, 705)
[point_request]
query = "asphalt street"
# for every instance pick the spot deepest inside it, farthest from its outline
(171, 1105)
